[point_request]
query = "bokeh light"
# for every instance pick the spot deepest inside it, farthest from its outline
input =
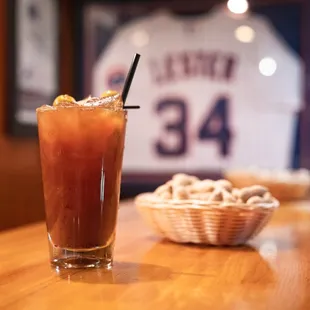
(245, 34)
(238, 6)
(267, 66)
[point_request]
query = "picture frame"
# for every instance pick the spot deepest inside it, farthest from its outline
(34, 55)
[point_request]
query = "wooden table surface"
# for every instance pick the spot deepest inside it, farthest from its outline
(272, 272)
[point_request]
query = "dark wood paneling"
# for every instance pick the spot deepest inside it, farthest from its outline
(305, 117)
(3, 65)
(21, 197)
(66, 46)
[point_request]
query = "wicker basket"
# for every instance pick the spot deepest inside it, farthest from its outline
(204, 222)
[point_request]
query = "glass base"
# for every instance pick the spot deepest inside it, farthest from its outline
(99, 257)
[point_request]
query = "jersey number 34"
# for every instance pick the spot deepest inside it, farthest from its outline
(214, 127)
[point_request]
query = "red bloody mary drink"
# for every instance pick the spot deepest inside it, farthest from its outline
(81, 147)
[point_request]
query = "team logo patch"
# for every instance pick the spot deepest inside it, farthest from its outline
(116, 79)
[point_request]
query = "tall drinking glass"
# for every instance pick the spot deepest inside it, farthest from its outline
(81, 151)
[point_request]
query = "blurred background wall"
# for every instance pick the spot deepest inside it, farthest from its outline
(21, 198)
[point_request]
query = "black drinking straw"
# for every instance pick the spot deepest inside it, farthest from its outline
(128, 82)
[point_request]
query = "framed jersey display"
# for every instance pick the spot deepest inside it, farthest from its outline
(215, 91)
(34, 59)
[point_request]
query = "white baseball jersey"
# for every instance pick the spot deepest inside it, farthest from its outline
(208, 99)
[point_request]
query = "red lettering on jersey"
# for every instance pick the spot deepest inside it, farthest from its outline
(217, 66)
(200, 63)
(212, 62)
(229, 69)
(189, 69)
(155, 71)
(169, 66)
